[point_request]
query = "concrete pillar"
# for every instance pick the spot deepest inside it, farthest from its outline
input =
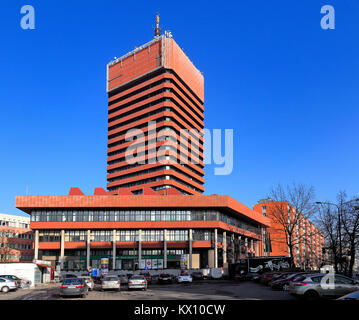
(36, 253)
(62, 249)
(88, 249)
(139, 247)
(215, 249)
(224, 245)
(246, 246)
(114, 250)
(165, 248)
(190, 248)
(233, 250)
(239, 247)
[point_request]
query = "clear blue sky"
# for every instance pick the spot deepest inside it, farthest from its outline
(289, 89)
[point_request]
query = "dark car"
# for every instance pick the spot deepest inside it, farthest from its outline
(197, 275)
(74, 287)
(165, 278)
(282, 283)
(249, 276)
(268, 276)
(147, 276)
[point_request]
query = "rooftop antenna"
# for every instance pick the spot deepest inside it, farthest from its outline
(157, 29)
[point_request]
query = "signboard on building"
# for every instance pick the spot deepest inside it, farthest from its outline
(160, 263)
(104, 265)
(149, 263)
(183, 261)
(142, 264)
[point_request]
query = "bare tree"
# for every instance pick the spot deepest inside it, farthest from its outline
(328, 221)
(5, 248)
(291, 210)
(350, 222)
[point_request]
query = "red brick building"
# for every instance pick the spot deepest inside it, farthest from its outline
(308, 240)
(156, 90)
(16, 239)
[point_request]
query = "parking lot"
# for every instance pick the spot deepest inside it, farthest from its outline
(202, 289)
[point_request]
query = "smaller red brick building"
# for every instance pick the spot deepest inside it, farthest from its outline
(16, 239)
(308, 240)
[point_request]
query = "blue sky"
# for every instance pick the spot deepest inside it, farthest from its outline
(288, 88)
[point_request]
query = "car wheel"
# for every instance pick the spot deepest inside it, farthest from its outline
(5, 289)
(311, 295)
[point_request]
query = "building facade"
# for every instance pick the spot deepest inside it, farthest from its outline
(154, 214)
(139, 231)
(155, 120)
(16, 239)
(307, 239)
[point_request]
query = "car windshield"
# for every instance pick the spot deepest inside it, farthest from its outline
(137, 277)
(111, 279)
(73, 281)
(165, 275)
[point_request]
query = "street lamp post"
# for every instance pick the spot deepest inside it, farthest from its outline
(340, 211)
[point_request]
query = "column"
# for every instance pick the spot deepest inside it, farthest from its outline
(233, 250)
(252, 247)
(139, 248)
(165, 249)
(62, 249)
(224, 245)
(88, 249)
(246, 246)
(36, 253)
(215, 249)
(114, 250)
(190, 248)
(239, 247)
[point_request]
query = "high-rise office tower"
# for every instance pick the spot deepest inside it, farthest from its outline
(155, 119)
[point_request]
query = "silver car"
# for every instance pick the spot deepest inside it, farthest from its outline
(137, 282)
(89, 282)
(111, 282)
(314, 286)
(7, 284)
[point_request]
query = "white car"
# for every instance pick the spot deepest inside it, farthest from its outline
(7, 284)
(137, 282)
(184, 278)
(89, 282)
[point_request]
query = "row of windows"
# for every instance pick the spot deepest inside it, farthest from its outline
(119, 252)
(8, 257)
(107, 235)
(141, 215)
(18, 246)
(14, 224)
(14, 235)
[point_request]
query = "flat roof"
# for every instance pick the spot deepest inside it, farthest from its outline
(29, 203)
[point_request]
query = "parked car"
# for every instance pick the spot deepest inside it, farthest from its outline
(90, 283)
(268, 276)
(165, 278)
(184, 278)
(111, 282)
(147, 276)
(197, 275)
(7, 285)
(282, 283)
(74, 287)
(123, 279)
(279, 277)
(137, 282)
(310, 287)
(351, 296)
(17, 280)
